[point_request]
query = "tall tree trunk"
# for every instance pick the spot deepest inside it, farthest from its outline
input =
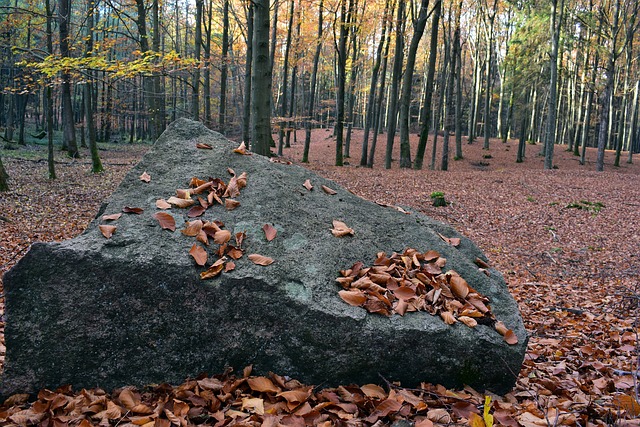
(491, 15)
(440, 109)
(458, 85)
(449, 114)
(377, 112)
(96, 164)
(550, 140)
(222, 112)
(195, 85)
(426, 112)
(633, 131)
(261, 81)
(246, 104)
(608, 89)
(4, 177)
(369, 118)
(345, 13)
(49, 97)
(312, 89)
(208, 115)
(68, 123)
(392, 112)
(407, 83)
(475, 89)
(351, 96)
(285, 80)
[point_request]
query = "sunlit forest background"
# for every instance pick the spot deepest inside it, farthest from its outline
(549, 72)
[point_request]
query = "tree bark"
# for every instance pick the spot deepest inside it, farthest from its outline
(222, 111)
(550, 140)
(68, 123)
(425, 115)
(345, 13)
(246, 104)
(392, 113)
(285, 80)
(491, 15)
(312, 89)
(261, 81)
(407, 83)
(96, 164)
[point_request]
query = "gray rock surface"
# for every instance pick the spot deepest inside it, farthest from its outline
(132, 309)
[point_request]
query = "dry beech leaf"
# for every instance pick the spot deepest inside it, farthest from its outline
(269, 232)
(193, 228)
(128, 209)
(233, 189)
(111, 217)
(510, 337)
(340, 229)
(198, 254)
(196, 211)
(214, 270)
(231, 204)
(353, 297)
(373, 391)
(453, 241)
(469, 321)
(501, 328)
(204, 146)
(263, 385)
(307, 184)
(162, 204)
(459, 286)
(242, 180)
(448, 317)
(183, 194)
(107, 230)
(260, 259)
(180, 203)
(166, 221)
(145, 177)
(328, 190)
(242, 149)
(229, 266)
(221, 237)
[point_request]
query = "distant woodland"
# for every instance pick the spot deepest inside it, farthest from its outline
(546, 72)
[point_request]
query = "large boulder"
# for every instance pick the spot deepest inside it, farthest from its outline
(133, 309)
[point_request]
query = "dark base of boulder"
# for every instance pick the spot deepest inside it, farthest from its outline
(132, 310)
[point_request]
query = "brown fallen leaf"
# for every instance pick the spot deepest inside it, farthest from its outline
(261, 259)
(340, 229)
(183, 193)
(145, 177)
(166, 221)
(214, 270)
(193, 228)
(328, 190)
(136, 211)
(221, 237)
(111, 217)
(180, 203)
(198, 254)
(269, 232)
(262, 385)
(242, 149)
(229, 266)
(162, 204)
(204, 146)
(196, 211)
(107, 230)
(354, 297)
(307, 184)
(231, 204)
(510, 337)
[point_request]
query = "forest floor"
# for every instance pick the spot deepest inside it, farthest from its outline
(566, 240)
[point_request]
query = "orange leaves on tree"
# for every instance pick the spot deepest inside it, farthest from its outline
(261, 259)
(167, 222)
(145, 177)
(269, 232)
(340, 229)
(107, 230)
